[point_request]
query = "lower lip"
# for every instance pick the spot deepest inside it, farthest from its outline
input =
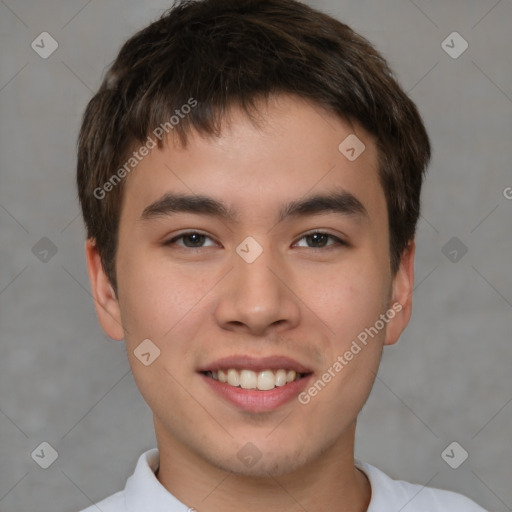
(253, 400)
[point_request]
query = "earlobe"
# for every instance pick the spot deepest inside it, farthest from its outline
(105, 300)
(401, 297)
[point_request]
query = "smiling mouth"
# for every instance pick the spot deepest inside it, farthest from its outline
(265, 380)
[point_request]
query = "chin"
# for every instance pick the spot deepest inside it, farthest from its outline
(262, 465)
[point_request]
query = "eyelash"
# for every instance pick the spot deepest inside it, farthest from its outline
(338, 241)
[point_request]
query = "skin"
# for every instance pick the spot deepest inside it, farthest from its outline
(298, 299)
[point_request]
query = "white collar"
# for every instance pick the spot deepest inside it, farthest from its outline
(144, 493)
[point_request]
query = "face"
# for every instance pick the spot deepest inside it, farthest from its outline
(260, 256)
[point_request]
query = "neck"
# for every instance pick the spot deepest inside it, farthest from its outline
(328, 482)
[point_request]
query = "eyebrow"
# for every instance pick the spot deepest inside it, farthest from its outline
(341, 202)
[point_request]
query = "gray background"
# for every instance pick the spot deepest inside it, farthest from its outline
(448, 379)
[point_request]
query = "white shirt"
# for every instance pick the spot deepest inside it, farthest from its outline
(144, 493)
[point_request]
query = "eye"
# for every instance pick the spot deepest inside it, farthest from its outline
(191, 240)
(196, 240)
(319, 240)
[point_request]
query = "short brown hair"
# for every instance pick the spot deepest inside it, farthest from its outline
(227, 52)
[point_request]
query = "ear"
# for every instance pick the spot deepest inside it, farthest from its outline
(105, 300)
(401, 296)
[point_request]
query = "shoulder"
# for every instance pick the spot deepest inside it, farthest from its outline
(408, 497)
(137, 487)
(114, 503)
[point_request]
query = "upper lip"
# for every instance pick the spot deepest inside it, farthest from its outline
(256, 364)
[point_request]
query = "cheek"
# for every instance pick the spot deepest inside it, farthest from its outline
(350, 302)
(155, 296)
(159, 303)
(348, 298)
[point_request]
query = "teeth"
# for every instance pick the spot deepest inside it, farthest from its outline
(280, 377)
(233, 378)
(266, 380)
(247, 379)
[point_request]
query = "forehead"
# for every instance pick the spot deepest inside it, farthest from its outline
(292, 148)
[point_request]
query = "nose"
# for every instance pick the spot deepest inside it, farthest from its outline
(258, 297)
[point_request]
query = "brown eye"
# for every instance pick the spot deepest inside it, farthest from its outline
(190, 240)
(319, 240)
(195, 239)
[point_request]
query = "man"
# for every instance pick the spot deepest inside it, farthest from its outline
(250, 174)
